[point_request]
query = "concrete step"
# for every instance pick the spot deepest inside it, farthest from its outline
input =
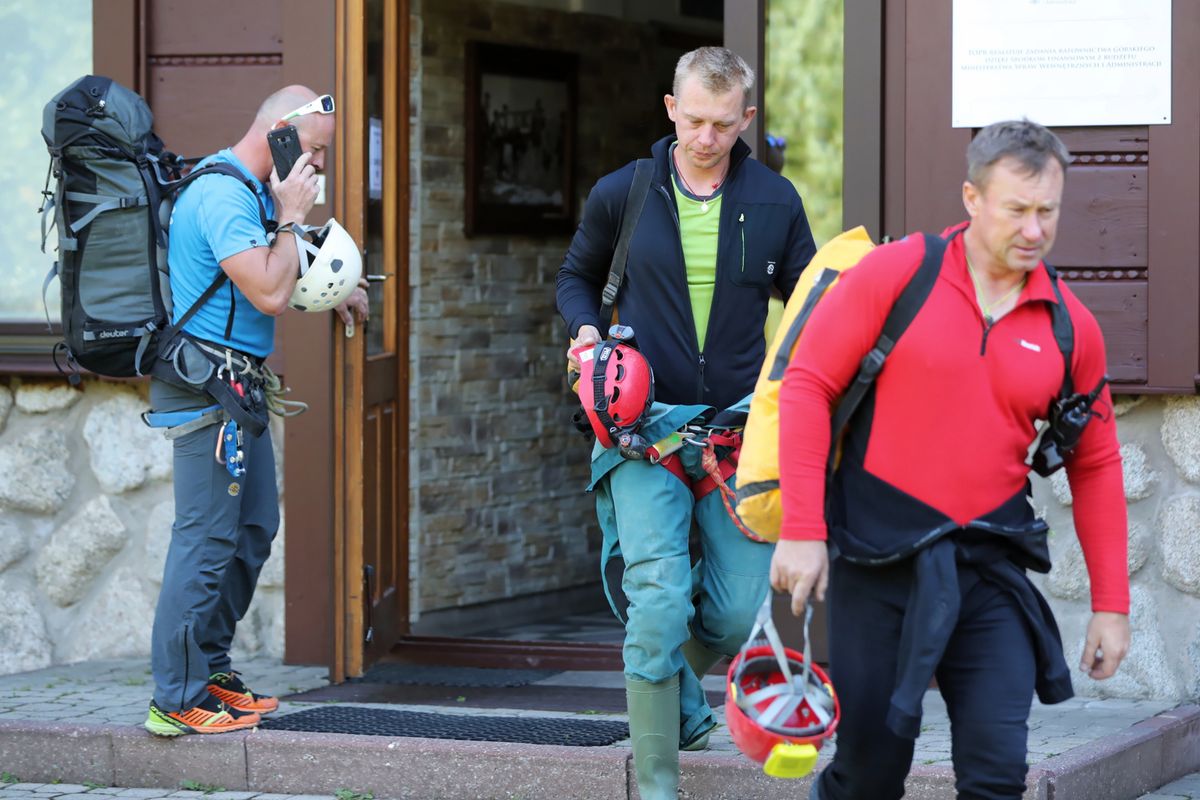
(1120, 766)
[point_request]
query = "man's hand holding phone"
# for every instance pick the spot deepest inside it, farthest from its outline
(297, 192)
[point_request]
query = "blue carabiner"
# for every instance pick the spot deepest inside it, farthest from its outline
(231, 442)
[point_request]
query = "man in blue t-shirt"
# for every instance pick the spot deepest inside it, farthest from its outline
(224, 521)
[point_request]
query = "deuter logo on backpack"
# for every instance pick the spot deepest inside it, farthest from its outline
(113, 186)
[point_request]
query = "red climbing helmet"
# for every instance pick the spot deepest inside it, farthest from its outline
(616, 389)
(780, 707)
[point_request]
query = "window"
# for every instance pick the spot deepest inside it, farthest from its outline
(804, 103)
(46, 46)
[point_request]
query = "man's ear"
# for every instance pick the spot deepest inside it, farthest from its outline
(747, 116)
(970, 195)
(670, 103)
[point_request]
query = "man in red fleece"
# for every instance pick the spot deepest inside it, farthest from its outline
(928, 515)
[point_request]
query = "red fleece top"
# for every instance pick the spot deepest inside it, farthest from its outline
(955, 404)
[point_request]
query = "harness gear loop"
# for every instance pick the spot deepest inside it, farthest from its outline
(273, 388)
(718, 471)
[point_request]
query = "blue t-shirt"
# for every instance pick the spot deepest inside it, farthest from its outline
(214, 218)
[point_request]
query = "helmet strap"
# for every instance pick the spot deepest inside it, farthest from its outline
(787, 699)
(306, 250)
(601, 356)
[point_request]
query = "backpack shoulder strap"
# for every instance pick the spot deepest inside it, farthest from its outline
(202, 299)
(220, 168)
(911, 299)
(1064, 332)
(634, 202)
(217, 168)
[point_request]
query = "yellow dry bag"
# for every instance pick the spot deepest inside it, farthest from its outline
(759, 504)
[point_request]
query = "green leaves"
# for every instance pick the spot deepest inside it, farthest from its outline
(351, 794)
(804, 103)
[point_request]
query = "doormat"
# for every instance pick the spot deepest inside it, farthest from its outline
(425, 675)
(463, 727)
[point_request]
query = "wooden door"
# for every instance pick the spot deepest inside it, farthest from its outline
(372, 367)
(1128, 238)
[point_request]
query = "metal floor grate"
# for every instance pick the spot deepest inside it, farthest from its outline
(463, 727)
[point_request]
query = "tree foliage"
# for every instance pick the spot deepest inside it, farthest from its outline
(804, 103)
(43, 47)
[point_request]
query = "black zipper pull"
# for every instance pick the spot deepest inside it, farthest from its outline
(987, 328)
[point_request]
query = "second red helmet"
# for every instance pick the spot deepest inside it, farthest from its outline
(616, 386)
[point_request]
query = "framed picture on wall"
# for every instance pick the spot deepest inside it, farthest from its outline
(520, 127)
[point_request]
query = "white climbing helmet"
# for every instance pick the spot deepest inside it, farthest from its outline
(330, 266)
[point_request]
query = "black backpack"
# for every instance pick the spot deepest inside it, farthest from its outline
(114, 188)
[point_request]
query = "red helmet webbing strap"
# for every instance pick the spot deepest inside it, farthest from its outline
(603, 353)
(785, 699)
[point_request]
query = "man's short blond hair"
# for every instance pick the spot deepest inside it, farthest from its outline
(719, 70)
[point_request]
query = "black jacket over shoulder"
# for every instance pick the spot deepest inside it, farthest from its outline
(764, 242)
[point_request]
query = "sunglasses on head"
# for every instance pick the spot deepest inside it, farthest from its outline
(322, 105)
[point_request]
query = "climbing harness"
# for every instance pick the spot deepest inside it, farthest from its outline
(718, 468)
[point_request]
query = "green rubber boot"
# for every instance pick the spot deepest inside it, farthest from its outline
(654, 734)
(699, 658)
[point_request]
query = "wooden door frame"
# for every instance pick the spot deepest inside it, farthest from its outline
(350, 359)
(349, 354)
(862, 114)
(326, 619)
(745, 34)
(386, 374)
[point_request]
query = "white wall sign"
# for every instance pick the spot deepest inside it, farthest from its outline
(375, 159)
(1062, 62)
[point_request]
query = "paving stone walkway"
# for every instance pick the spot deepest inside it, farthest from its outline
(65, 791)
(117, 693)
(1183, 789)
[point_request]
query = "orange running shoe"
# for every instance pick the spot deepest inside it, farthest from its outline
(229, 689)
(210, 716)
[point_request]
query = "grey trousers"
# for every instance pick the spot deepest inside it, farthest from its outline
(220, 540)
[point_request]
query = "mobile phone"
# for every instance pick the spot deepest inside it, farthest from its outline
(285, 149)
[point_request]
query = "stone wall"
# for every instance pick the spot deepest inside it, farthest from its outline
(85, 519)
(498, 476)
(1160, 448)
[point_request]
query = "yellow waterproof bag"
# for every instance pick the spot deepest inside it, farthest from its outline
(759, 503)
